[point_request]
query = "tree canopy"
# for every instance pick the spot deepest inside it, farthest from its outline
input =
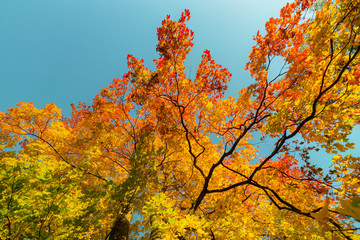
(163, 155)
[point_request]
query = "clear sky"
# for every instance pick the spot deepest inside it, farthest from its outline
(65, 51)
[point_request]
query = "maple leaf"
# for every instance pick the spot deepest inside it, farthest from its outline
(145, 145)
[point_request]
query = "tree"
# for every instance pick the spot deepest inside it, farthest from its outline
(146, 145)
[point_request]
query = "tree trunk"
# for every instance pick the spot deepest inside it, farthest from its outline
(121, 228)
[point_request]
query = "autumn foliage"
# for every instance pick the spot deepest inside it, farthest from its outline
(163, 155)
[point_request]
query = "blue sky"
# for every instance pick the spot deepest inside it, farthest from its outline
(65, 51)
